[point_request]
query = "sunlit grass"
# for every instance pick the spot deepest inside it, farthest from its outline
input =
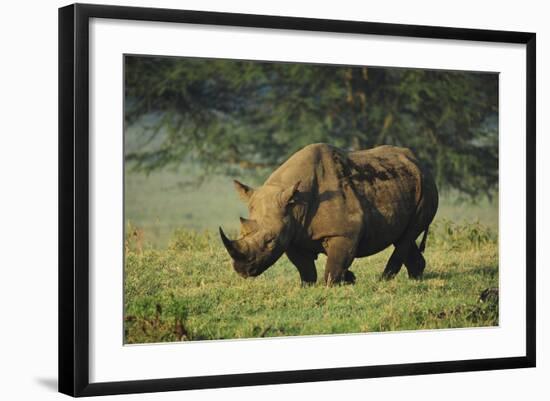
(189, 291)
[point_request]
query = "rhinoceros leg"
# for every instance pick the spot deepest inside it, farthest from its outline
(415, 262)
(406, 252)
(394, 264)
(340, 254)
(305, 263)
(399, 255)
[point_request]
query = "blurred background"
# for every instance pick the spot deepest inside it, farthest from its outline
(192, 125)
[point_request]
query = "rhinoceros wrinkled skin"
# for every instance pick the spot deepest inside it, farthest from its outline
(343, 204)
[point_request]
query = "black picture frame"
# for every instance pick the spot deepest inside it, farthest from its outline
(74, 198)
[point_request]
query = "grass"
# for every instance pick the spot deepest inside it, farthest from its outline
(161, 202)
(180, 286)
(188, 291)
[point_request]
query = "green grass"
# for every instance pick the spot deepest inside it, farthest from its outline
(161, 203)
(190, 292)
(179, 283)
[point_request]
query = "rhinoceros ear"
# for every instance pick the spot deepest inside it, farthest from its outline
(244, 191)
(288, 196)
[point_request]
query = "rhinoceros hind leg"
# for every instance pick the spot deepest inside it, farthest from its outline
(349, 277)
(340, 254)
(400, 255)
(415, 262)
(305, 263)
(394, 264)
(406, 252)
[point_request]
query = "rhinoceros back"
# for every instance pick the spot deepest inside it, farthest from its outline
(378, 192)
(393, 189)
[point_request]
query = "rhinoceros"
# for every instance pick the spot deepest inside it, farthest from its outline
(343, 204)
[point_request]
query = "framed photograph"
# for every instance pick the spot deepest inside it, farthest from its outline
(251, 199)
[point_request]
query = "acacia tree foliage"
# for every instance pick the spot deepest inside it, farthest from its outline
(226, 114)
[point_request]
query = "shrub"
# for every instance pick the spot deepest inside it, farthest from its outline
(451, 234)
(134, 239)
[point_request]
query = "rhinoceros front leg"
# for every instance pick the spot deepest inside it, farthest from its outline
(305, 263)
(340, 254)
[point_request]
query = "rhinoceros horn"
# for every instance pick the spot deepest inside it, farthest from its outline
(236, 249)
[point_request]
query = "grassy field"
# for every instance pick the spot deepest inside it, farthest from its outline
(179, 283)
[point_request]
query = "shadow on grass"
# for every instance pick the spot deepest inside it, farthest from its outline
(490, 271)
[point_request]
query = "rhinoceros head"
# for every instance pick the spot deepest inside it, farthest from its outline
(266, 234)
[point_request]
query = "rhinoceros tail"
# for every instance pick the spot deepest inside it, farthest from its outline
(423, 242)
